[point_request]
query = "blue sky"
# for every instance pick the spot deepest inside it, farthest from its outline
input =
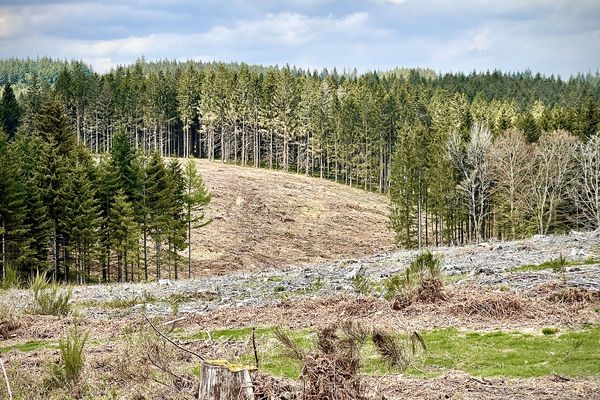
(552, 36)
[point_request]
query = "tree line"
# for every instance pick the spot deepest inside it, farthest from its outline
(121, 216)
(394, 131)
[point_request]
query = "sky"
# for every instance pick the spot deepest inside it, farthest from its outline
(548, 36)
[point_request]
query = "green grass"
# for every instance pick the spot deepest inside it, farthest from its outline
(30, 346)
(549, 265)
(507, 354)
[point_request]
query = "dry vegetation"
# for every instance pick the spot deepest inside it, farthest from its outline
(267, 218)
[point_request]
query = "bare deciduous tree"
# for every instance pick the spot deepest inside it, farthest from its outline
(553, 172)
(587, 190)
(510, 158)
(471, 161)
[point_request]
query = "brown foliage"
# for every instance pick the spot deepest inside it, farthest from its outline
(491, 305)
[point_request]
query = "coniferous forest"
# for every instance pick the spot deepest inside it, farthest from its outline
(86, 193)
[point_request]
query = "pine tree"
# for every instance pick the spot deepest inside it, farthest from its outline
(10, 111)
(196, 198)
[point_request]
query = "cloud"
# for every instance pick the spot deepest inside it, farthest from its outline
(374, 34)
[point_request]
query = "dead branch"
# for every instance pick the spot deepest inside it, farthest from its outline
(171, 341)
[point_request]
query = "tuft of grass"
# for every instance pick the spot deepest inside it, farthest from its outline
(72, 357)
(362, 284)
(50, 297)
(549, 331)
(422, 279)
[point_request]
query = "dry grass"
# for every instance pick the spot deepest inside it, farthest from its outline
(265, 218)
(496, 305)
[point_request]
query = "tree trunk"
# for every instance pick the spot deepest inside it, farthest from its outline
(219, 382)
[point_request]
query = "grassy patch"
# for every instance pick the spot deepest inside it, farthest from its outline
(508, 354)
(30, 346)
(119, 303)
(552, 265)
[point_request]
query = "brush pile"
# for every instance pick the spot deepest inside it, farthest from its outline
(332, 370)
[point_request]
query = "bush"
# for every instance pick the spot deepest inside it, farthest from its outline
(50, 297)
(72, 357)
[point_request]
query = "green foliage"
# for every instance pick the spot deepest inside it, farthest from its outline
(72, 357)
(549, 331)
(10, 111)
(11, 279)
(50, 297)
(362, 284)
(425, 266)
(557, 265)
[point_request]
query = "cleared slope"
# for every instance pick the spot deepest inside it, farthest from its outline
(264, 218)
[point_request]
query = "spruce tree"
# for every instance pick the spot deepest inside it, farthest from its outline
(123, 232)
(176, 236)
(82, 223)
(159, 218)
(56, 131)
(10, 111)
(196, 198)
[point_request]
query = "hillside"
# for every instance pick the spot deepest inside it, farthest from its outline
(264, 218)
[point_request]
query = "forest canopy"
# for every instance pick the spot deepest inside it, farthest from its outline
(463, 157)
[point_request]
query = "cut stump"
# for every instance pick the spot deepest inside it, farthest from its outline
(222, 380)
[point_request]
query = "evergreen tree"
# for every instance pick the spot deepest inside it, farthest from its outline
(82, 222)
(158, 203)
(196, 198)
(124, 232)
(176, 234)
(55, 130)
(10, 111)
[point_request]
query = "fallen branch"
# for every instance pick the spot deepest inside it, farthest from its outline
(6, 382)
(168, 339)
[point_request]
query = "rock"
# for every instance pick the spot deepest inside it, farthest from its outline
(577, 253)
(358, 270)
(164, 282)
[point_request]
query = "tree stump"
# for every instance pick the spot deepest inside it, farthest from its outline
(222, 380)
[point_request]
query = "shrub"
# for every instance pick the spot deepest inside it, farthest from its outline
(50, 297)
(72, 357)
(332, 369)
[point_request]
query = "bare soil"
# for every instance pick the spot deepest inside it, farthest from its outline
(264, 218)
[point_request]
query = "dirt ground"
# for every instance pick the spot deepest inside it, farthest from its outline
(265, 218)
